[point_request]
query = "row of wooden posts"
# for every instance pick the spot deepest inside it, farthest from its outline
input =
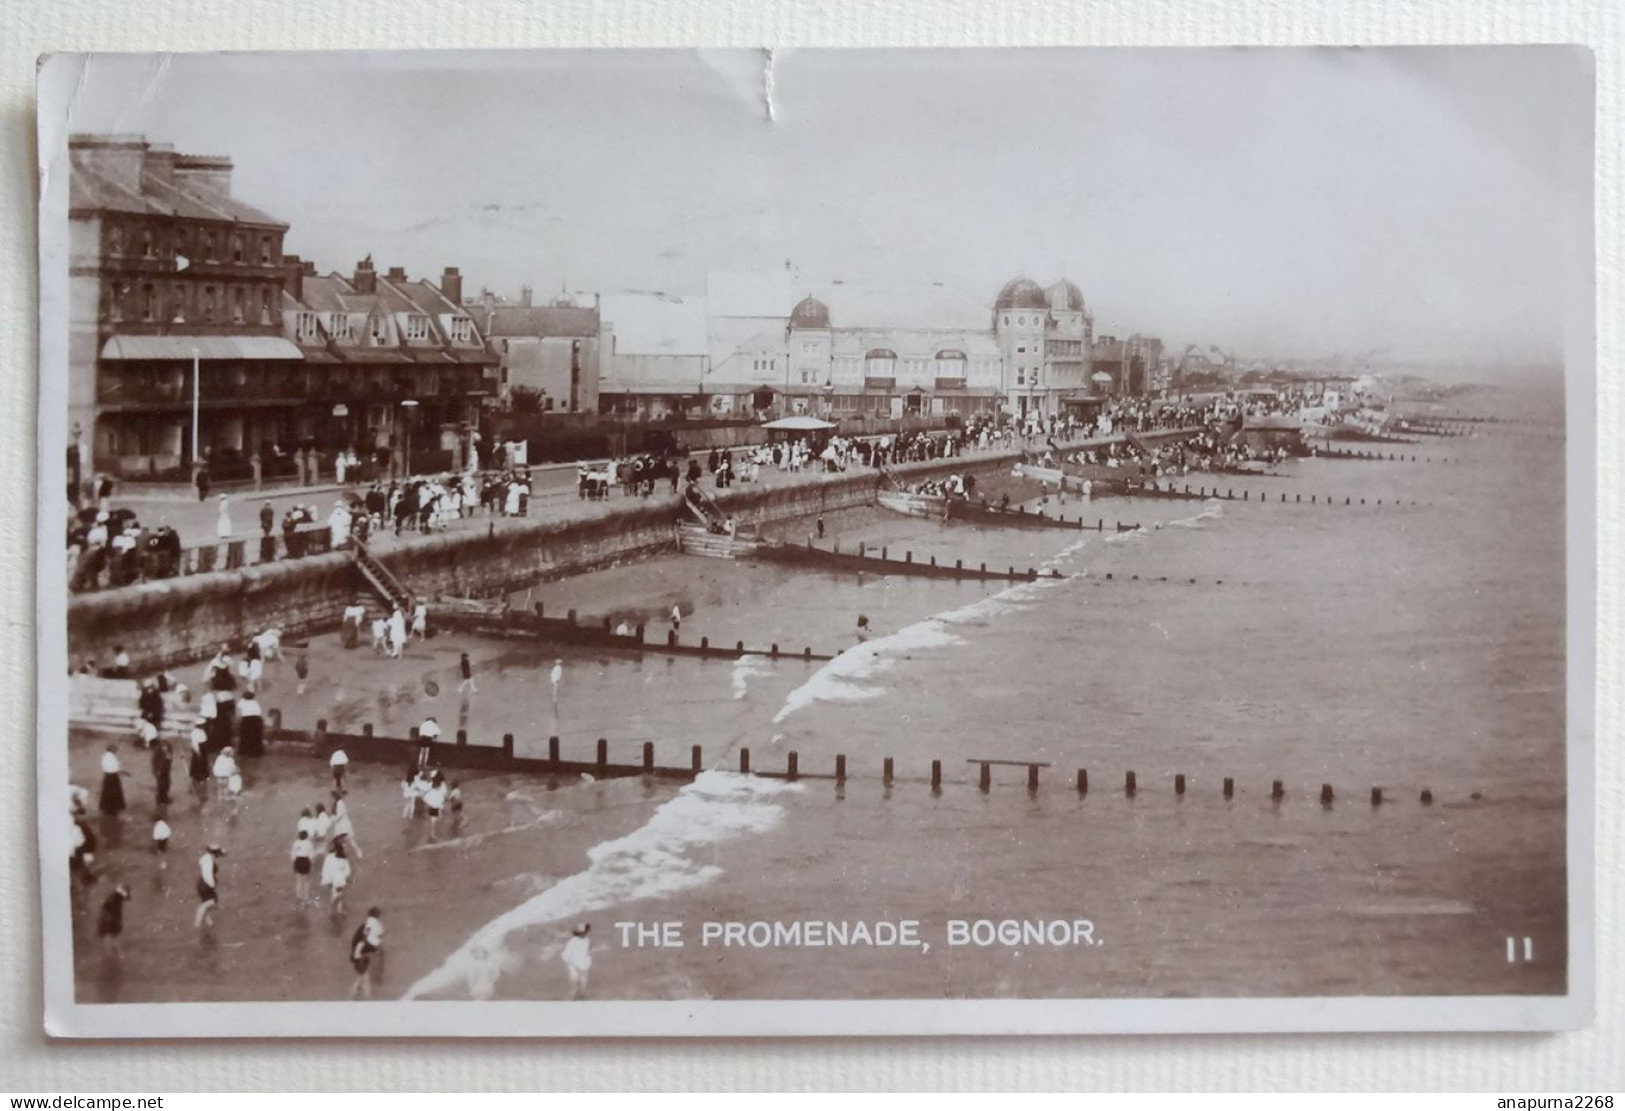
(381, 749)
(1297, 499)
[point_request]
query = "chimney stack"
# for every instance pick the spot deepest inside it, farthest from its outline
(396, 274)
(366, 278)
(294, 267)
(524, 296)
(160, 163)
(451, 285)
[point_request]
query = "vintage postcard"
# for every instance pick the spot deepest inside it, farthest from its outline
(816, 542)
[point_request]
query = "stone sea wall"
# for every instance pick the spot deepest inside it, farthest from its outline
(174, 621)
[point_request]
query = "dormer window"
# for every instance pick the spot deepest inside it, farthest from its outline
(305, 328)
(380, 332)
(417, 327)
(338, 324)
(462, 329)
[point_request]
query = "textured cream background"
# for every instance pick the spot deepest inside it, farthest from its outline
(1590, 1060)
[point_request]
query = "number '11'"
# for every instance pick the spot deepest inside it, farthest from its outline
(1512, 949)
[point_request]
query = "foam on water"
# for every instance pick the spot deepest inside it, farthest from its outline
(746, 668)
(653, 861)
(842, 679)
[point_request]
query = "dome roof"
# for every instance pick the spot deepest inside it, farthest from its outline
(810, 313)
(1065, 297)
(1020, 293)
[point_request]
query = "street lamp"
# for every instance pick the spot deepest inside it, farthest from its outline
(411, 408)
(197, 460)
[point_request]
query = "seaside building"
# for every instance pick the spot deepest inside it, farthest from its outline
(773, 344)
(175, 290)
(391, 364)
(193, 337)
(560, 350)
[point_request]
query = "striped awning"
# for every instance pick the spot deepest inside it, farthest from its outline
(157, 348)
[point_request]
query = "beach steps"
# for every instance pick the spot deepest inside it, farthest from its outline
(109, 706)
(388, 588)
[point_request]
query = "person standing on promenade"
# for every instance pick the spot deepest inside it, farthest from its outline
(202, 481)
(577, 958)
(337, 763)
(208, 886)
(420, 620)
(267, 517)
(301, 669)
(676, 617)
(557, 677)
(354, 614)
(467, 668)
(222, 520)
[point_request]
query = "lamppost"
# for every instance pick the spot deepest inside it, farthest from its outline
(197, 459)
(411, 407)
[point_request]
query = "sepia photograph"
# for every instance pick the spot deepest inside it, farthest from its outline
(670, 542)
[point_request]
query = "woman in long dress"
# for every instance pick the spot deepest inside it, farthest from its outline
(112, 801)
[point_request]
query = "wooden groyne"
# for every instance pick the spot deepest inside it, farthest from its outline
(1015, 517)
(866, 561)
(368, 747)
(1378, 456)
(568, 632)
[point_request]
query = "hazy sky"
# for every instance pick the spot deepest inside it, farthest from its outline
(1412, 201)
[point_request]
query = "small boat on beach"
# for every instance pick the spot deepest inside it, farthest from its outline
(910, 504)
(698, 540)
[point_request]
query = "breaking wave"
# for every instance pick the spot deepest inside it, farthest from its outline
(653, 861)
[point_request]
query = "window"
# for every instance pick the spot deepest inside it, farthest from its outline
(1021, 321)
(115, 239)
(462, 329)
(208, 247)
(809, 347)
(1021, 376)
(265, 305)
(380, 332)
(305, 328)
(179, 293)
(236, 248)
(1007, 320)
(417, 327)
(504, 347)
(149, 303)
(146, 242)
(338, 325)
(265, 250)
(1021, 351)
(236, 304)
(208, 302)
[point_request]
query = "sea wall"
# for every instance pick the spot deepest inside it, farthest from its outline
(173, 621)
